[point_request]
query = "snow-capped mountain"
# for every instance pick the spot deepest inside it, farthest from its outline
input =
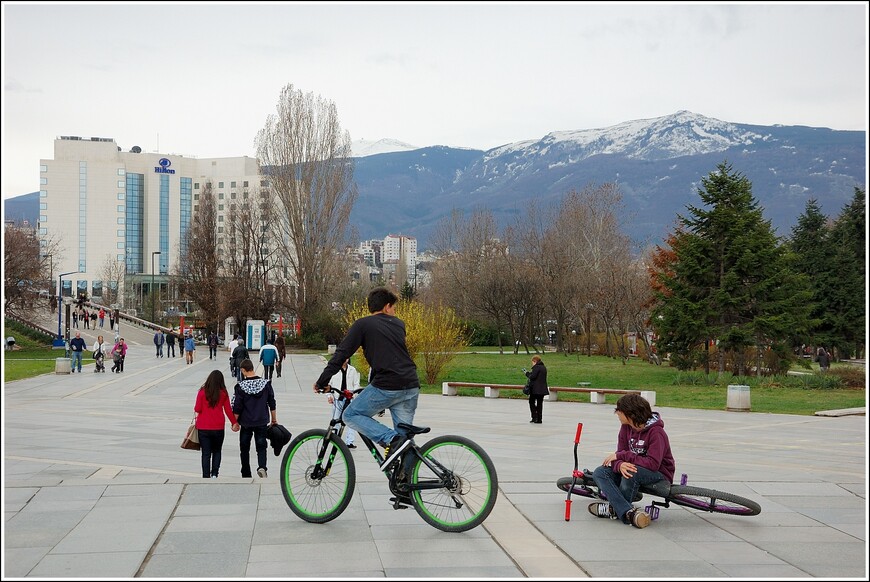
(362, 148)
(656, 163)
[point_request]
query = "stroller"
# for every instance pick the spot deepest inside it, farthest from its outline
(99, 359)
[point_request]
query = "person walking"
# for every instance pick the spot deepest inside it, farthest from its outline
(394, 382)
(281, 346)
(99, 355)
(112, 320)
(538, 378)
(85, 317)
(268, 355)
(159, 340)
(77, 346)
(254, 407)
(824, 359)
(212, 345)
(189, 347)
(93, 320)
(119, 354)
(102, 316)
(643, 456)
(170, 344)
(75, 317)
(212, 403)
(234, 343)
(240, 353)
(347, 379)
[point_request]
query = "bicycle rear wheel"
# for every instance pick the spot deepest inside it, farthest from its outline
(712, 500)
(468, 484)
(317, 492)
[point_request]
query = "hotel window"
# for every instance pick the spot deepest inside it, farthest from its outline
(43, 206)
(43, 231)
(43, 193)
(196, 196)
(43, 180)
(119, 245)
(120, 232)
(220, 206)
(221, 218)
(43, 168)
(232, 184)
(245, 184)
(233, 195)
(120, 220)
(196, 185)
(220, 184)
(121, 184)
(120, 208)
(120, 195)
(43, 218)
(220, 229)
(221, 196)
(121, 171)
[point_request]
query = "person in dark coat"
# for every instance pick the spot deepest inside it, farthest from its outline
(538, 378)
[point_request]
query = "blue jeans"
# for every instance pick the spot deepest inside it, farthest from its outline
(620, 492)
(76, 357)
(258, 433)
(211, 442)
(369, 402)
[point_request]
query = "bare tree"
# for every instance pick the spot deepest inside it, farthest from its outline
(22, 267)
(112, 275)
(199, 266)
(306, 159)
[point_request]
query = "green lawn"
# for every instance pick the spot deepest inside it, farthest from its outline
(603, 372)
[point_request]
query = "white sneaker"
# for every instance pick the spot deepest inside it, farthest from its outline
(261, 472)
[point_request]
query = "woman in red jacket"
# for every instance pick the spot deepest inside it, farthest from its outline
(212, 402)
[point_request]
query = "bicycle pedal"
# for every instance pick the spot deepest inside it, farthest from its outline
(400, 502)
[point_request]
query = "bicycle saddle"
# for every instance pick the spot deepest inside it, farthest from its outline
(411, 429)
(661, 488)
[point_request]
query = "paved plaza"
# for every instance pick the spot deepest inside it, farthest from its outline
(95, 485)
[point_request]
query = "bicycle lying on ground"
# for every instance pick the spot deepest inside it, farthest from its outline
(450, 481)
(710, 500)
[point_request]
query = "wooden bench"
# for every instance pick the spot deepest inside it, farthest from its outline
(596, 395)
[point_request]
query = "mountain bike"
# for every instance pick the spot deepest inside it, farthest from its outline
(450, 480)
(709, 500)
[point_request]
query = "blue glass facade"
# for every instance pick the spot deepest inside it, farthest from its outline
(186, 210)
(134, 222)
(163, 243)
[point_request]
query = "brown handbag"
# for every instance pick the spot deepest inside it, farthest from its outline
(191, 439)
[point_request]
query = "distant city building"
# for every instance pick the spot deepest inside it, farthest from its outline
(102, 204)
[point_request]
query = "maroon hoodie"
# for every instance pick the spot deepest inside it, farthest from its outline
(648, 448)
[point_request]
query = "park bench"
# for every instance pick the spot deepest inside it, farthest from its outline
(596, 395)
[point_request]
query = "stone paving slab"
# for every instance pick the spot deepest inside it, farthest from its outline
(101, 458)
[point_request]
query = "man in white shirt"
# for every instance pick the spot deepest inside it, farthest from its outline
(347, 379)
(233, 345)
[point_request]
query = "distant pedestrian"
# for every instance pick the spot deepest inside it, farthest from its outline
(281, 346)
(212, 345)
(212, 403)
(240, 354)
(234, 343)
(99, 355)
(119, 354)
(77, 346)
(254, 406)
(538, 378)
(824, 359)
(75, 318)
(189, 347)
(102, 316)
(112, 321)
(93, 317)
(159, 340)
(346, 379)
(170, 344)
(268, 355)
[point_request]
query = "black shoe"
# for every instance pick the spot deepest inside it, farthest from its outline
(351, 446)
(538, 422)
(401, 499)
(532, 421)
(394, 450)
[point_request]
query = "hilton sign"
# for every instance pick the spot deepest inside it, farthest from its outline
(163, 168)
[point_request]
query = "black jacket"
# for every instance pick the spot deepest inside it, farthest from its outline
(538, 377)
(253, 398)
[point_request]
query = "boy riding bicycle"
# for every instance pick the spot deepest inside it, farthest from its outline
(393, 383)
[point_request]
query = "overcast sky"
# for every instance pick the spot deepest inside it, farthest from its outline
(200, 79)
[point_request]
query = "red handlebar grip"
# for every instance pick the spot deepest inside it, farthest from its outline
(579, 430)
(567, 510)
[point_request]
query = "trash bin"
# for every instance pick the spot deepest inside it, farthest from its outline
(63, 365)
(738, 398)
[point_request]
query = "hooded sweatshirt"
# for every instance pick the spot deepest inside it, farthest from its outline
(648, 447)
(253, 398)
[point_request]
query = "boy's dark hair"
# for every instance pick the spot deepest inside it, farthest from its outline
(635, 408)
(379, 297)
(247, 365)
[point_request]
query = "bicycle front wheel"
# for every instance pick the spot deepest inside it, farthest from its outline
(712, 500)
(460, 486)
(317, 491)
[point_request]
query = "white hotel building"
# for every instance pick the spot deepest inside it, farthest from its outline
(104, 204)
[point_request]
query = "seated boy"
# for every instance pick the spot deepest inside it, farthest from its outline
(643, 456)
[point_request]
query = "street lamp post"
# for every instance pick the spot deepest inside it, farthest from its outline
(589, 330)
(50, 274)
(153, 253)
(58, 343)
